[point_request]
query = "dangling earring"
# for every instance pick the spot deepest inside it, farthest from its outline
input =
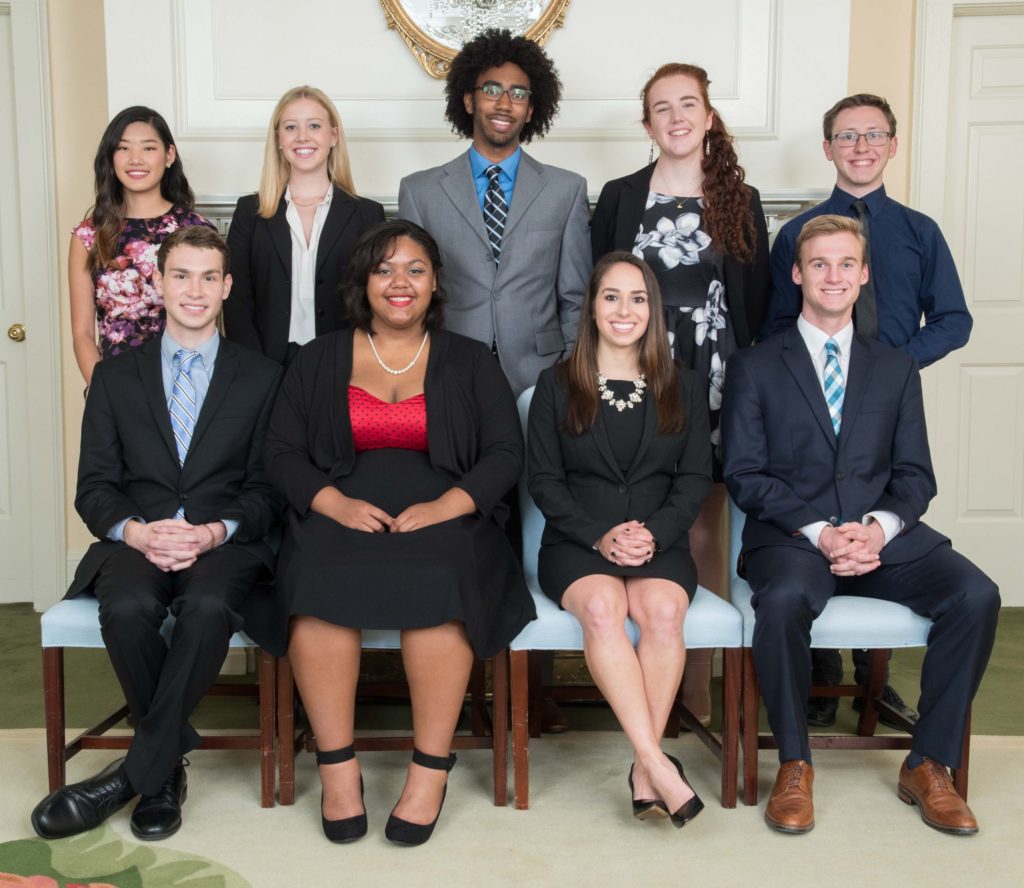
(650, 156)
(707, 145)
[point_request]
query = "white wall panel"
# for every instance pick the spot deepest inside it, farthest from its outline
(216, 67)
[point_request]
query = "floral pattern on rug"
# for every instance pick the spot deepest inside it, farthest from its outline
(102, 859)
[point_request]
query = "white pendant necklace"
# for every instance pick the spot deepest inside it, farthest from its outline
(407, 367)
(635, 396)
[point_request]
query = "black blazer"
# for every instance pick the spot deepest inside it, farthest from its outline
(259, 310)
(784, 465)
(128, 465)
(616, 220)
(578, 485)
(473, 432)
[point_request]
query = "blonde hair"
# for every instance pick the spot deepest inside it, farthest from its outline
(829, 224)
(276, 170)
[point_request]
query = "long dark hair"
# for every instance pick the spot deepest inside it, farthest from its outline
(727, 213)
(108, 213)
(373, 247)
(579, 372)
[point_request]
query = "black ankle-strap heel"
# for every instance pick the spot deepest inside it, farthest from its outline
(402, 832)
(348, 829)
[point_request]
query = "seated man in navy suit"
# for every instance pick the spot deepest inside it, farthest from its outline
(171, 481)
(826, 451)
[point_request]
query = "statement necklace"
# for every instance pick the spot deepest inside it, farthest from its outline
(408, 366)
(635, 396)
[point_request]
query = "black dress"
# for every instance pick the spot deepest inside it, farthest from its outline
(658, 479)
(463, 569)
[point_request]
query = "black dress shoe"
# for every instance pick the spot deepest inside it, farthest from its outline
(404, 832)
(688, 810)
(347, 829)
(158, 816)
(821, 711)
(83, 806)
(645, 809)
(891, 698)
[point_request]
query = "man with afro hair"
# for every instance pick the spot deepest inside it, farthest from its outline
(513, 232)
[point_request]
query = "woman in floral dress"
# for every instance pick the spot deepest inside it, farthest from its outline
(142, 195)
(701, 228)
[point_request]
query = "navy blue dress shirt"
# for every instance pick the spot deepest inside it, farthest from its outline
(912, 269)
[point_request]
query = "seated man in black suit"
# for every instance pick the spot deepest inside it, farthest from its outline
(171, 480)
(826, 451)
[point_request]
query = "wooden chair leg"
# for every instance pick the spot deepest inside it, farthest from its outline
(732, 668)
(285, 732)
(499, 721)
(536, 686)
(749, 728)
(53, 704)
(960, 774)
(268, 725)
(477, 696)
(868, 722)
(520, 691)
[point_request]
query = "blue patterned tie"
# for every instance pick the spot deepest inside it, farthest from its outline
(182, 407)
(835, 391)
(495, 211)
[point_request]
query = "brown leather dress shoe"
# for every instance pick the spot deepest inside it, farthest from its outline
(791, 807)
(930, 788)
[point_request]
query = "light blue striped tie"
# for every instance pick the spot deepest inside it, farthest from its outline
(182, 407)
(835, 391)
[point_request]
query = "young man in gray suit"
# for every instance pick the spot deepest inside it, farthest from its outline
(513, 232)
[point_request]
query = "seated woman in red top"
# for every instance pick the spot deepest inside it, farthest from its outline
(394, 443)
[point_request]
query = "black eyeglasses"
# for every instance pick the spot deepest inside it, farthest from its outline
(516, 94)
(876, 138)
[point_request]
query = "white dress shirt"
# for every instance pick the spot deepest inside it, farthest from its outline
(815, 340)
(302, 326)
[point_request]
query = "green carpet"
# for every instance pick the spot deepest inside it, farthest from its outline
(92, 690)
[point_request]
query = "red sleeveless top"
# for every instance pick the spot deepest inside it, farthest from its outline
(377, 424)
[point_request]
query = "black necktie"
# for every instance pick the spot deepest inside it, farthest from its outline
(495, 210)
(865, 313)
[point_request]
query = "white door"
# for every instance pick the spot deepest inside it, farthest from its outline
(32, 558)
(976, 394)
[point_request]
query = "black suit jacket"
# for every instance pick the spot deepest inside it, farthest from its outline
(615, 223)
(578, 485)
(784, 465)
(129, 467)
(259, 311)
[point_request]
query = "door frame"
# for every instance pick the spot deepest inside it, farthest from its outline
(44, 410)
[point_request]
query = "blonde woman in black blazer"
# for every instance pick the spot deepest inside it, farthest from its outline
(619, 462)
(306, 208)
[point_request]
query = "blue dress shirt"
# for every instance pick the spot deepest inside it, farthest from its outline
(506, 178)
(911, 267)
(200, 372)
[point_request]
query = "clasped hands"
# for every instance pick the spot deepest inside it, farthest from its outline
(358, 514)
(852, 548)
(629, 544)
(173, 544)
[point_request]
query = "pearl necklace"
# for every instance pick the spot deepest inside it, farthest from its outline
(407, 367)
(635, 396)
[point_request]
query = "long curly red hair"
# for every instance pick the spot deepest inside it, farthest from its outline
(727, 216)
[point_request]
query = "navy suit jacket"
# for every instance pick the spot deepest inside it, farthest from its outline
(784, 465)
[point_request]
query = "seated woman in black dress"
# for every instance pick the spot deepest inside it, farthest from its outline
(394, 443)
(619, 462)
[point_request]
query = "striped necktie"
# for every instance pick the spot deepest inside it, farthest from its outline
(835, 391)
(182, 407)
(495, 210)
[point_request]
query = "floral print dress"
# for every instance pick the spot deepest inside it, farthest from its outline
(129, 311)
(691, 276)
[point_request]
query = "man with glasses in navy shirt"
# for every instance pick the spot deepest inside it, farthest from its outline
(911, 276)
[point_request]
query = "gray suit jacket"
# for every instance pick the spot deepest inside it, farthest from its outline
(530, 303)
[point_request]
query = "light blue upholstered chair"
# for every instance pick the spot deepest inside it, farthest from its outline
(848, 621)
(74, 623)
(710, 623)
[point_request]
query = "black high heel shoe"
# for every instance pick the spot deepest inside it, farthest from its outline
(646, 809)
(348, 829)
(688, 810)
(402, 832)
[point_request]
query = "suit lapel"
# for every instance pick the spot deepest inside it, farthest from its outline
(457, 183)
(153, 385)
(281, 235)
(798, 361)
(858, 379)
(223, 375)
(529, 184)
(338, 216)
